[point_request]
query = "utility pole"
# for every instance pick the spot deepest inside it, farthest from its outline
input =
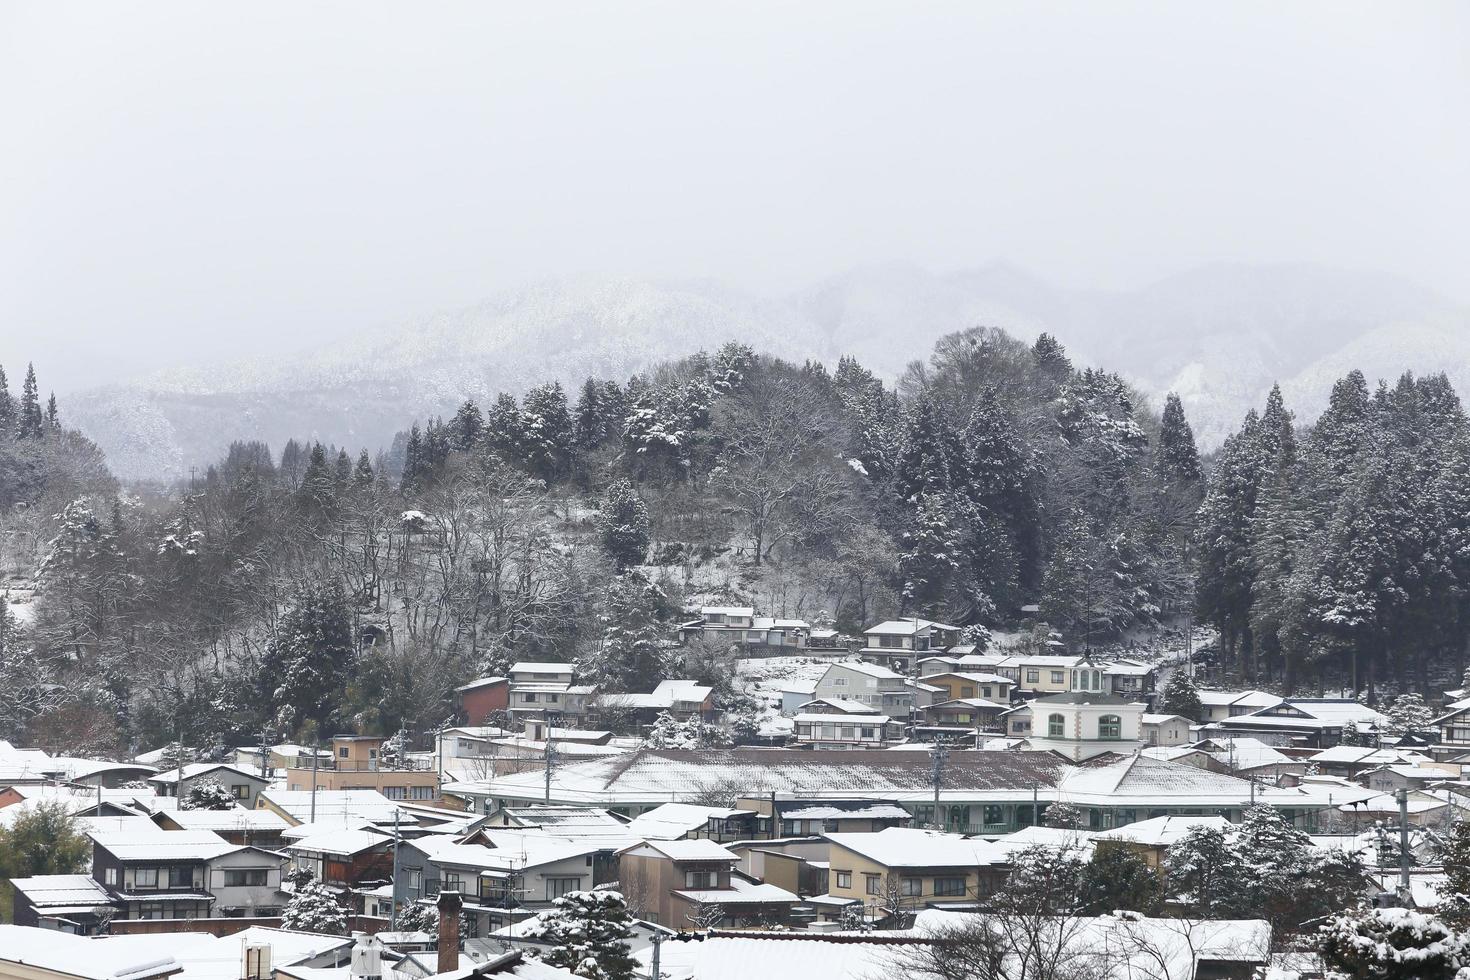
(316, 759)
(937, 757)
(550, 755)
(1403, 798)
(658, 940)
(393, 909)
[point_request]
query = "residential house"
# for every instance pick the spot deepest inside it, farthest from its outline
(1350, 761)
(540, 688)
(67, 903)
(954, 661)
(1165, 730)
(340, 807)
(1047, 673)
(1151, 839)
(836, 724)
(504, 875)
(239, 826)
(897, 643)
(962, 718)
(243, 786)
(1223, 705)
(809, 818)
(357, 764)
(683, 699)
(795, 693)
(480, 699)
(692, 821)
(163, 875)
(967, 684)
(884, 691)
(1130, 679)
(246, 882)
(1390, 779)
(345, 858)
(1454, 730)
(271, 759)
(1081, 725)
(683, 883)
(901, 870)
(740, 625)
(1301, 722)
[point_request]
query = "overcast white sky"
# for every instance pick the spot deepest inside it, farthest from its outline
(185, 181)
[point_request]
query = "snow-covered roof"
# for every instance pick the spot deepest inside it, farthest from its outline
(978, 703)
(863, 667)
(861, 810)
(740, 611)
(842, 719)
(234, 818)
(674, 820)
(665, 695)
(770, 623)
(1366, 756)
(906, 847)
(1151, 781)
(177, 845)
(907, 627)
(968, 676)
(798, 687)
(655, 776)
(1149, 718)
(1057, 838)
(196, 769)
(482, 682)
(334, 805)
(740, 892)
(699, 849)
(844, 706)
(1162, 831)
(341, 841)
(1250, 699)
(541, 667)
(69, 955)
(45, 891)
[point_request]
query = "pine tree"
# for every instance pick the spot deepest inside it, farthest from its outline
(1051, 358)
(362, 475)
(30, 422)
(505, 430)
(53, 419)
(1390, 944)
(1177, 455)
(309, 659)
(207, 794)
(7, 406)
(415, 467)
(588, 422)
(314, 908)
(1181, 698)
(587, 933)
(630, 657)
(548, 436)
(622, 525)
(467, 426)
(1118, 878)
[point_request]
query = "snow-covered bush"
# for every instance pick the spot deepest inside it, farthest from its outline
(1391, 944)
(313, 908)
(588, 934)
(207, 794)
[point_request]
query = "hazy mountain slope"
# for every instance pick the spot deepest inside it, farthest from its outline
(1218, 335)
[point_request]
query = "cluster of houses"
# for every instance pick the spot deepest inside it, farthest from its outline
(901, 779)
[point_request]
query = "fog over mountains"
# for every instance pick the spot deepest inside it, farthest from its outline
(1218, 335)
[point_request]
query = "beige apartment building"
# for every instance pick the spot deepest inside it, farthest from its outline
(356, 763)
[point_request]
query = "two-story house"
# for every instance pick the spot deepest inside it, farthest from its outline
(966, 684)
(1131, 679)
(963, 717)
(1048, 673)
(481, 699)
(503, 875)
(740, 625)
(172, 875)
(898, 643)
(683, 699)
(903, 870)
(683, 883)
(1081, 725)
(540, 688)
(824, 724)
(239, 826)
(344, 858)
(243, 786)
(884, 691)
(357, 763)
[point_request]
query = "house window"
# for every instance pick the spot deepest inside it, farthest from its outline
(421, 792)
(529, 697)
(869, 732)
(993, 815)
(415, 880)
(949, 887)
(845, 732)
(986, 693)
(109, 877)
(873, 884)
(844, 879)
(913, 886)
(150, 910)
(395, 792)
(245, 877)
(967, 692)
(452, 882)
(1058, 676)
(145, 878)
(180, 877)
(342, 752)
(1056, 726)
(1110, 726)
(699, 879)
(892, 642)
(839, 682)
(242, 791)
(557, 887)
(1033, 675)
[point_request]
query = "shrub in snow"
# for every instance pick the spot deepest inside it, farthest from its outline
(207, 794)
(1062, 815)
(1390, 944)
(588, 933)
(670, 733)
(314, 909)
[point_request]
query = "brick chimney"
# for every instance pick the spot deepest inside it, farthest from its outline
(449, 905)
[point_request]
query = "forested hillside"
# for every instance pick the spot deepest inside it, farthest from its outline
(995, 487)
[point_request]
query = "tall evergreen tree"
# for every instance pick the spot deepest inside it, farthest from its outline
(7, 406)
(30, 423)
(309, 660)
(622, 525)
(53, 419)
(1177, 455)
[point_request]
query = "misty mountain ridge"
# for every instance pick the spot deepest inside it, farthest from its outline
(1219, 335)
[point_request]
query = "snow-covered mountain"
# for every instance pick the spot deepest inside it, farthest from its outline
(1218, 335)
